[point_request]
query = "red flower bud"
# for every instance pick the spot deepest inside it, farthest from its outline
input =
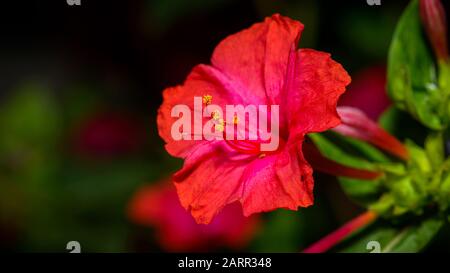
(342, 233)
(434, 21)
(357, 125)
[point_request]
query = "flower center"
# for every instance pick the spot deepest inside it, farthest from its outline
(244, 146)
(240, 144)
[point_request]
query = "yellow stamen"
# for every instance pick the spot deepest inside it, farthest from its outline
(235, 120)
(215, 115)
(219, 127)
(207, 99)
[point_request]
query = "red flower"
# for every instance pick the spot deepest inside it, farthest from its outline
(158, 206)
(257, 66)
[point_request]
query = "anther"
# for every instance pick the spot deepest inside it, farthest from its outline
(207, 99)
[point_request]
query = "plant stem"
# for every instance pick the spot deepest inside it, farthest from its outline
(342, 233)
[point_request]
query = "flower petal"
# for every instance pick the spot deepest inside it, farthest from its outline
(208, 181)
(277, 181)
(257, 58)
(314, 90)
(203, 80)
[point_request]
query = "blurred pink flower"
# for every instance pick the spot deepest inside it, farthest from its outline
(158, 206)
(368, 92)
(108, 134)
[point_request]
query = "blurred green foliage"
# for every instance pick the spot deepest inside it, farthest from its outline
(50, 194)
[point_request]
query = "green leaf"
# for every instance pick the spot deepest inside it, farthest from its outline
(404, 238)
(444, 76)
(434, 147)
(346, 152)
(402, 125)
(419, 159)
(362, 192)
(407, 189)
(412, 74)
(444, 194)
(356, 154)
(384, 205)
(406, 195)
